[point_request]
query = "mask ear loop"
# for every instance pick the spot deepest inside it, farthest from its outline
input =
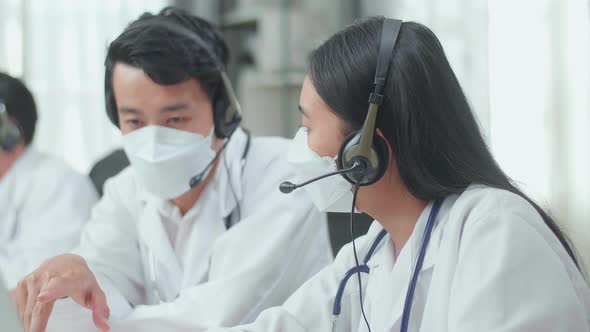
(356, 259)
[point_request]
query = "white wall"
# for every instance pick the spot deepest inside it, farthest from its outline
(58, 48)
(525, 67)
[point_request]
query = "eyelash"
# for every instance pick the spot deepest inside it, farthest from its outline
(134, 122)
(177, 120)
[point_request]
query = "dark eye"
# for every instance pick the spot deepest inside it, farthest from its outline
(134, 123)
(176, 120)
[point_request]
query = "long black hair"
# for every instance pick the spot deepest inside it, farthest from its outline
(425, 116)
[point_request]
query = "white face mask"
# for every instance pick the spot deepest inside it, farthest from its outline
(166, 159)
(332, 194)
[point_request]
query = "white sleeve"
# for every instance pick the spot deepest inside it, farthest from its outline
(310, 307)
(280, 243)
(109, 243)
(512, 275)
(109, 246)
(49, 224)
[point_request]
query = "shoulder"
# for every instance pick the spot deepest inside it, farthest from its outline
(122, 195)
(45, 165)
(124, 185)
(268, 151)
(265, 169)
(506, 229)
(55, 173)
(266, 165)
(484, 204)
(504, 218)
(507, 255)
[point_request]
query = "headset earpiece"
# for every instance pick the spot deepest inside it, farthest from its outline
(227, 114)
(374, 167)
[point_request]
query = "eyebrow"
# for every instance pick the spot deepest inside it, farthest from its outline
(165, 109)
(129, 110)
(174, 107)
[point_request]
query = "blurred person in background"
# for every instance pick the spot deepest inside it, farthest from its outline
(44, 203)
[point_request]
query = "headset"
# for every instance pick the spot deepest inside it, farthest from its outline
(364, 148)
(227, 113)
(10, 134)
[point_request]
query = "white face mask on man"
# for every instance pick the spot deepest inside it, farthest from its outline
(165, 159)
(332, 194)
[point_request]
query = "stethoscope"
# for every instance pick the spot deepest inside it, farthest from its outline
(364, 268)
(228, 222)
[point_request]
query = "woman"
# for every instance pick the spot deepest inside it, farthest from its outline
(493, 260)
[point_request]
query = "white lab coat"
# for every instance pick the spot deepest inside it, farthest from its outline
(223, 277)
(491, 265)
(44, 204)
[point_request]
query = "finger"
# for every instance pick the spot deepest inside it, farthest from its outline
(59, 287)
(100, 309)
(40, 317)
(21, 294)
(32, 292)
(100, 321)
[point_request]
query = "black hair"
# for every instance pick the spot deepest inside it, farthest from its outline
(20, 105)
(425, 116)
(165, 56)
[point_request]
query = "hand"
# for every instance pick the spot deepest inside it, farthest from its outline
(62, 276)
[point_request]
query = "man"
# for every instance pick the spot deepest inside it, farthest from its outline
(43, 202)
(195, 233)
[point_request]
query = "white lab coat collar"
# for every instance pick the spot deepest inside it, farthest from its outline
(418, 233)
(386, 270)
(161, 259)
(385, 253)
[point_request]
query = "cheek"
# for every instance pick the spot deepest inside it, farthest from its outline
(124, 128)
(200, 122)
(324, 144)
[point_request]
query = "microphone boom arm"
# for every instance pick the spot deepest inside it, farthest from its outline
(287, 187)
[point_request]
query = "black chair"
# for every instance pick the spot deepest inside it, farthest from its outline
(108, 167)
(339, 228)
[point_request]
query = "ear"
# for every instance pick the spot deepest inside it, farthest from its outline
(390, 152)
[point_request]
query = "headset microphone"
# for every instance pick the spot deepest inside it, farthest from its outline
(197, 179)
(288, 187)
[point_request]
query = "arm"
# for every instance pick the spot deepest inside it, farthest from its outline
(310, 307)
(512, 275)
(109, 234)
